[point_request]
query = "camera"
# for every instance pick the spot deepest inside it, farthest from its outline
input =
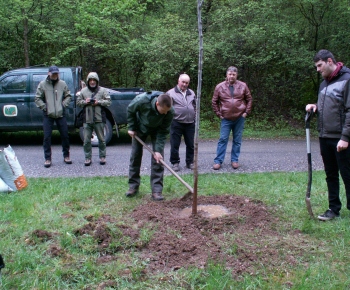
(92, 101)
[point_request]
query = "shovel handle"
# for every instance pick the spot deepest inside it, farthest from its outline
(165, 165)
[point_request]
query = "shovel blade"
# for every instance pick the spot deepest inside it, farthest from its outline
(308, 205)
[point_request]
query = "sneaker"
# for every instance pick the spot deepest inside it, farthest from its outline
(102, 161)
(132, 192)
(328, 215)
(87, 162)
(176, 167)
(157, 196)
(67, 160)
(47, 163)
(190, 166)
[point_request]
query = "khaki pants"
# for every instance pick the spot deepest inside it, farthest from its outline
(99, 130)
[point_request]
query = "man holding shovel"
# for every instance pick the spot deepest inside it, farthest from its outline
(333, 111)
(149, 114)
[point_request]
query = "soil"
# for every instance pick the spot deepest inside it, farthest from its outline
(245, 237)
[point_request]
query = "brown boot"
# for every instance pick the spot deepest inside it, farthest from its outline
(87, 162)
(102, 161)
(132, 192)
(157, 196)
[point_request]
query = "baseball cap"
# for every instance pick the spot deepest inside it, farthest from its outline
(54, 69)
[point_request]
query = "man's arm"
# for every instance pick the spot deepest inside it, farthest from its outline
(39, 97)
(215, 102)
(67, 96)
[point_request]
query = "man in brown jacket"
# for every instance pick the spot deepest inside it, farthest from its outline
(232, 102)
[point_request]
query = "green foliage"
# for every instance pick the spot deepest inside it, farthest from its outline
(148, 43)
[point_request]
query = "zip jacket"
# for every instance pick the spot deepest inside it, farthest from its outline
(96, 113)
(144, 118)
(184, 107)
(232, 107)
(333, 107)
(52, 97)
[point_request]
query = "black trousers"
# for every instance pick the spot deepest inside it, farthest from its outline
(335, 162)
(62, 127)
(177, 130)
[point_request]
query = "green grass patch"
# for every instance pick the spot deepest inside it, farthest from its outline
(60, 206)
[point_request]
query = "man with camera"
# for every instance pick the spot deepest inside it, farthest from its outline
(93, 99)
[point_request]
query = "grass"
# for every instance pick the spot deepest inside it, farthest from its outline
(60, 205)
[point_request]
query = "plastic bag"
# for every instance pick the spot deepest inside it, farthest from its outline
(10, 170)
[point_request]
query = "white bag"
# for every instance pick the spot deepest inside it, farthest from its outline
(10, 170)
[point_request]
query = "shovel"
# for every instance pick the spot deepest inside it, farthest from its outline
(308, 147)
(188, 194)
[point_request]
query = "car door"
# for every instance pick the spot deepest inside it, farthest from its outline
(36, 114)
(14, 101)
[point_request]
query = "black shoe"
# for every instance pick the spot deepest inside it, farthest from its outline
(47, 163)
(157, 196)
(190, 166)
(328, 215)
(87, 162)
(132, 192)
(102, 160)
(67, 160)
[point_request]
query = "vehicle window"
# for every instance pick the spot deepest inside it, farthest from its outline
(37, 78)
(14, 84)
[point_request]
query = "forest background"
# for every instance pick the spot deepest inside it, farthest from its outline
(148, 43)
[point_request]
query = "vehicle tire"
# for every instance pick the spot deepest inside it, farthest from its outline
(108, 130)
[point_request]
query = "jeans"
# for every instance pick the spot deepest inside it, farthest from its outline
(237, 127)
(62, 127)
(157, 169)
(335, 162)
(99, 130)
(177, 130)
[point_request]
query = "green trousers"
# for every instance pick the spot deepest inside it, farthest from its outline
(99, 130)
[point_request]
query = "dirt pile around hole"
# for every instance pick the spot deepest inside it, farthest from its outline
(246, 240)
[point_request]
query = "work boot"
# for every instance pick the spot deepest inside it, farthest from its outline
(87, 162)
(235, 165)
(190, 166)
(216, 166)
(176, 167)
(132, 192)
(157, 196)
(102, 160)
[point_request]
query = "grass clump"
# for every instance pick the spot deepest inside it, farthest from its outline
(47, 244)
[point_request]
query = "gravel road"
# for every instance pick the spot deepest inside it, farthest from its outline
(256, 156)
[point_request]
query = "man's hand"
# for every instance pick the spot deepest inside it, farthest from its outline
(157, 156)
(311, 107)
(132, 133)
(342, 145)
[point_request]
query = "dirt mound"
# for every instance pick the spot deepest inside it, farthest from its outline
(245, 239)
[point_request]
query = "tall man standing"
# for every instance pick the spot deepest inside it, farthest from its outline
(333, 124)
(183, 124)
(149, 114)
(52, 97)
(231, 102)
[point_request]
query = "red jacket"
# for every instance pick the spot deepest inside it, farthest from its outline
(228, 107)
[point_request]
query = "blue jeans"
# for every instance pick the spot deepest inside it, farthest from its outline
(237, 127)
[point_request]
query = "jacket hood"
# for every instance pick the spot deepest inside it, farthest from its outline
(92, 75)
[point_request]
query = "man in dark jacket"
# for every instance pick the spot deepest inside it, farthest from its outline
(52, 97)
(333, 111)
(93, 99)
(232, 103)
(183, 124)
(149, 114)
